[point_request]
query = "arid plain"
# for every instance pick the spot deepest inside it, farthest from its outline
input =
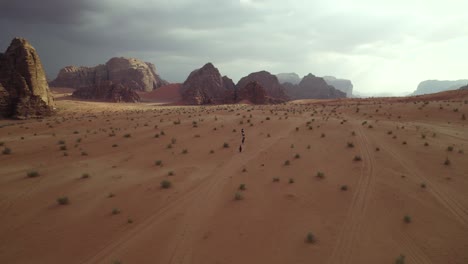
(329, 181)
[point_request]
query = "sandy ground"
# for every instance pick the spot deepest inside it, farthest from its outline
(119, 213)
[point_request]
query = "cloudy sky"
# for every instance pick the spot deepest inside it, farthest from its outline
(382, 46)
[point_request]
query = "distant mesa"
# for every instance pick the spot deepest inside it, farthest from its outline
(464, 87)
(292, 78)
(24, 92)
(274, 90)
(435, 86)
(340, 84)
(312, 87)
(205, 86)
(130, 72)
(108, 91)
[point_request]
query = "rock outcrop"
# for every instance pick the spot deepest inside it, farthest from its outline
(205, 86)
(435, 86)
(312, 87)
(24, 91)
(270, 82)
(130, 72)
(292, 78)
(340, 84)
(253, 92)
(108, 91)
(464, 87)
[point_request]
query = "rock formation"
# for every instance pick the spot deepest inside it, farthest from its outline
(24, 91)
(205, 86)
(292, 78)
(435, 86)
(269, 81)
(340, 84)
(108, 91)
(228, 83)
(132, 73)
(253, 92)
(312, 87)
(464, 87)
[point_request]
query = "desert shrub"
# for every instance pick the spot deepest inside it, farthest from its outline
(357, 158)
(158, 163)
(127, 135)
(400, 259)
(276, 179)
(344, 187)
(33, 174)
(184, 151)
(320, 175)
(350, 145)
(225, 145)
(323, 135)
(242, 187)
(63, 200)
(287, 163)
(115, 145)
(6, 151)
(170, 173)
(407, 219)
(84, 153)
(238, 196)
(115, 211)
(297, 156)
(63, 147)
(291, 180)
(165, 184)
(211, 151)
(173, 140)
(423, 185)
(449, 148)
(85, 176)
(310, 238)
(61, 142)
(169, 146)
(446, 162)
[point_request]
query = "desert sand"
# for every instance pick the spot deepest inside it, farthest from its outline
(330, 181)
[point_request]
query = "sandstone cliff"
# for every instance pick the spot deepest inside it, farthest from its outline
(312, 87)
(108, 91)
(24, 91)
(267, 80)
(205, 86)
(130, 72)
(435, 86)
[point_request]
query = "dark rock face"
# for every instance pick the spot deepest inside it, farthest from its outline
(132, 73)
(205, 86)
(312, 87)
(108, 91)
(340, 84)
(24, 91)
(228, 83)
(464, 87)
(269, 81)
(435, 86)
(292, 78)
(252, 92)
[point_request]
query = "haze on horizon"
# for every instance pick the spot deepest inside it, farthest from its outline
(381, 46)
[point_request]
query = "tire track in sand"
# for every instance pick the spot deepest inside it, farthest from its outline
(206, 190)
(354, 220)
(444, 197)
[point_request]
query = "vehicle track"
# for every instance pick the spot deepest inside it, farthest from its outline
(354, 220)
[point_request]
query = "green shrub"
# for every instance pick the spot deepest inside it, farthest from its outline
(357, 158)
(407, 219)
(33, 174)
(310, 238)
(6, 151)
(115, 211)
(158, 163)
(165, 184)
(85, 176)
(238, 196)
(63, 200)
(242, 187)
(320, 175)
(400, 260)
(127, 135)
(225, 145)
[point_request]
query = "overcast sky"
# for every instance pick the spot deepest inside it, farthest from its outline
(381, 46)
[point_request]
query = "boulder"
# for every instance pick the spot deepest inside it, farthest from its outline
(108, 91)
(24, 91)
(270, 83)
(130, 72)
